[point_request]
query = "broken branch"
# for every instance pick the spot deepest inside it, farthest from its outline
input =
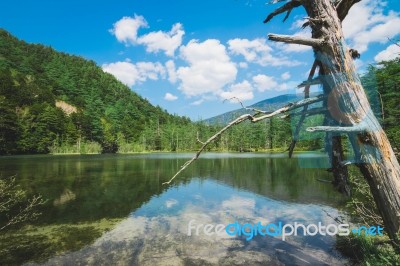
(343, 7)
(303, 113)
(241, 119)
(238, 120)
(285, 8)
(357, 128)
(289, 107)
(314, 111)
(199, 139)
(310, 82)
(295, 40)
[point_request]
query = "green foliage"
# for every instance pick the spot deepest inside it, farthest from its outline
(15, 206)
(362, 249)
(34, 77)
(368, 250)
(40, 243)
(362, 205)
(384, 81)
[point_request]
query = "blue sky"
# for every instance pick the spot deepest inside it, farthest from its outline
(188, 56)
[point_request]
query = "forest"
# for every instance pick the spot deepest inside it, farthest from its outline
(52, 102)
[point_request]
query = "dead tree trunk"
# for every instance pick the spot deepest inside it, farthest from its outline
(348, 104)
(346, 107)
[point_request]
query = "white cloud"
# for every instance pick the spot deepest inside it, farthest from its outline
(258, 51)
(285, 76)
(125, 29)
(163, 41)
(366, 23)
(263, 82)
(209, 70)
(198, 102)
(243, 65)
(124, 71)
(150, 70)
(242, 91)
(170, 97)
(287, 86)
(170, 66)
(171, 203)
(295, 48)
(391, 52)
(130, 74)
(297, 24)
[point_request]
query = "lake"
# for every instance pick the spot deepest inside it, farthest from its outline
(113, 209)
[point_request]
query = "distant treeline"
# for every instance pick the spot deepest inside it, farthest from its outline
(55, 102)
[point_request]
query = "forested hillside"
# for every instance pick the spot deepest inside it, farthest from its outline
(381, 83)
(93, 107)
(386, 78)
(59, 103)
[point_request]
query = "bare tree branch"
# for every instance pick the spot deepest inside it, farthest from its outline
(296, 40)
(343, 7)
(290, 107)
(394, 42)
(199, 139)
(257, 111)
(238, 120)
(303, 113)
(357, 128)
(383, 112)
(274, 2)
(310, 82)
(241, 119)
(285, 8)
(310, 112)
(344, 163)
(236, 98)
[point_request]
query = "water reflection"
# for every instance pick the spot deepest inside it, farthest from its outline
(156, 233)
(219, 188)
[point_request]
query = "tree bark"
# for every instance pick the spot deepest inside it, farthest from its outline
(340, 171)
(349, 106)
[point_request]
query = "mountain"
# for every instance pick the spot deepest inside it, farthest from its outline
(50, 99)
(265, 105)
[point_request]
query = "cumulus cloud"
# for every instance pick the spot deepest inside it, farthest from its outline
(366, 23)
(258, 51)
(391, 52)
(131, 74)
(163, 41)
(171, 70)
(209, 70)
(170, 97)
(126, 29)
(264, 82)
(242, 91)
(287, 86)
